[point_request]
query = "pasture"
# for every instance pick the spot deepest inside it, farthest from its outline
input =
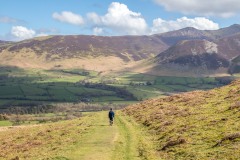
(30, 87)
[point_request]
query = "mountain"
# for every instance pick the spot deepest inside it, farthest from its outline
(224, 32)
(172, 51)
(194, 53)
(190, 33)
(235, 65)
(126, 47)
(92, 52)
(201, 54)
(194, 125)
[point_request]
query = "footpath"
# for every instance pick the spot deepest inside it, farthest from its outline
(125, 140)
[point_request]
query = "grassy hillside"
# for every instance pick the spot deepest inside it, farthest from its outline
(194, 125)
(57, 47)
(42, 141)
(89, 137)
(74, 51)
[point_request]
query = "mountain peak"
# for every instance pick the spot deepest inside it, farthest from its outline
(235, 26)
(189, 29)
(227, 31)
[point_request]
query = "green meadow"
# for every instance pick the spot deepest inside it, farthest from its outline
(21, 87)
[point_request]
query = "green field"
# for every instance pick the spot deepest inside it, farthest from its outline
(195, 125)
(5, 123)
(34, 86)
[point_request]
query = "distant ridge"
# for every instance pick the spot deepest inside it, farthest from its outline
(126, 47)
(2, 43)
(184, 48)
(227, 31)
(207, 55)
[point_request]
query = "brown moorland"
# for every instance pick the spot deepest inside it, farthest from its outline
(194, 125)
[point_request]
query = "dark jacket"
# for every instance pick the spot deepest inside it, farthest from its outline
(111, 114)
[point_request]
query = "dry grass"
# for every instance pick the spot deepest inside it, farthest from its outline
(26, 58)
(236, 105)
(42, 141)
(173, 143)
(229, 137)
(186, 126)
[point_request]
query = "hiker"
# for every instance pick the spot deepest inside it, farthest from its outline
(111, 116)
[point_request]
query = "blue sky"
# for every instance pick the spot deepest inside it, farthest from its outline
(23, 19)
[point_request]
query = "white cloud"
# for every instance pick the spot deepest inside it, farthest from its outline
(160, 25)
(120, 20)
(222, 8)
(97, 31)
(94, 18)
(20, 32)
(68, 17)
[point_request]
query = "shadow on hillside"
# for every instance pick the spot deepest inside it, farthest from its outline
(26, 88)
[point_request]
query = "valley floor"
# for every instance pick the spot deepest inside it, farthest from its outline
(87, 138)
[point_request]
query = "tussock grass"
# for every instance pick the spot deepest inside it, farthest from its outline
(173, 143)
(42, 141)
(230, 137)
(187, 126)
(89, 137)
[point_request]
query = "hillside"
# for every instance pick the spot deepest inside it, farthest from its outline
(126, 47)
(190, 33)
(194, 125)
(128, 52)
(3, 43)
(80, 50)
(89, 137)
(201, 55)
(195, 53)
(235, 65)
(225, 32)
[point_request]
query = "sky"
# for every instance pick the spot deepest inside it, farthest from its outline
(24, 19)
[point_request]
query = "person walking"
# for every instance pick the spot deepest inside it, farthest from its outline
(111, 116)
